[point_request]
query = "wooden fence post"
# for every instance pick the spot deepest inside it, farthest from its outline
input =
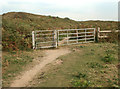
(55, 38)
(67, 37)
(33, 39)
(85, 35)
(77, 36)
(94, 34)
(98, 33)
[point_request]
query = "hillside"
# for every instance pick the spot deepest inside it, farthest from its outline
(17, 27)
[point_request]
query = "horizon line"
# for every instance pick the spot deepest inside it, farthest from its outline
(57, 16)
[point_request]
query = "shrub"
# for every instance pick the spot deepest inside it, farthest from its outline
(81, 80)
(94, 65)
(81, 83)
(80, 75)
(108, 58)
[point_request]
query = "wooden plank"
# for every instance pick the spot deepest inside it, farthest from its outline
(45, 31)
(103, 36)
(45, 47)
(44, 34)
(44, 42)
(108, 31)
(105, 31)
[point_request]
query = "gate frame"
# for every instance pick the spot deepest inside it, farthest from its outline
(56, 37)
(84, 32)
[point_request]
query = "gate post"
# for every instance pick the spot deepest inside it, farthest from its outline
(77, 35)
(67, 37)
(33, 39)
(85, 35)
(98, 34)
(55, 38)
(94, 34)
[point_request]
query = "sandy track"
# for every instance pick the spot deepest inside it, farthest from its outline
(51, 55)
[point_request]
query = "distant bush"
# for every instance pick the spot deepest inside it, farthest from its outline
(66, 18)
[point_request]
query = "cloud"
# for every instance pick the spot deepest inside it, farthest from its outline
(74, 9)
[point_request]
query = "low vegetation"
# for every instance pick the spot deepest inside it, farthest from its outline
(17, 27)
(85, 66)
(15, 62)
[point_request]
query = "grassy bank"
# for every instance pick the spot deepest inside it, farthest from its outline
(87, 65)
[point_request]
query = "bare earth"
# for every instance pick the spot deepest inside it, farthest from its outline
(51, 55)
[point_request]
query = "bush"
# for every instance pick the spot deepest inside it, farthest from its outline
(108, 58)
(95, 65)
(81, 83)
(81, 80)
(80, 75)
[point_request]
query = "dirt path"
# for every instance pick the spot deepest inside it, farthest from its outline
(51, 55)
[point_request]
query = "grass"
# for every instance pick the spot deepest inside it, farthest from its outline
(83, 67)
(13, 63)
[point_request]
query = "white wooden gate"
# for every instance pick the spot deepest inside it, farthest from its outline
(76, 36)
(44, 39)
(54, 38)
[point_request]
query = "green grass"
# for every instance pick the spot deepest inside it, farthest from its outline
(83, 67)
(15, 62)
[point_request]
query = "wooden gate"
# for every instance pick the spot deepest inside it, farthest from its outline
(76, 36)
(44, 39)
(54, 38)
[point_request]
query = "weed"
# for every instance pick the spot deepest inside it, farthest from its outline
(81, 80)
(95, 65)
(81, 83)
(80, 75)
(108, 58)
(102, 71)
(92, 50)
(82, 46)
(110, 52)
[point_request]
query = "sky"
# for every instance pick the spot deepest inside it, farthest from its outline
(79, 10)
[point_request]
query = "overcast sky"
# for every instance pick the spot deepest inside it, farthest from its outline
(79, 10)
